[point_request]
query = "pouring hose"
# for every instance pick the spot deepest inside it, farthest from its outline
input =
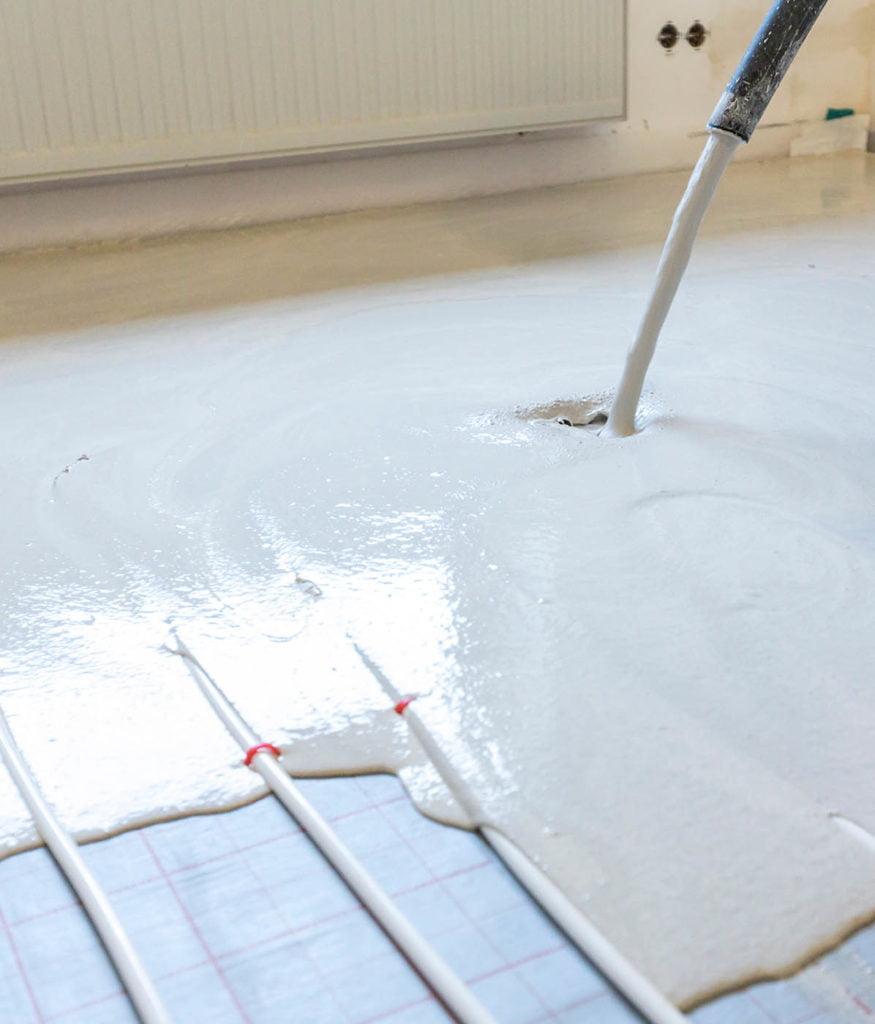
(764, 65)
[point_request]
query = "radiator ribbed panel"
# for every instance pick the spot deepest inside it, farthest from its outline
(91, 85)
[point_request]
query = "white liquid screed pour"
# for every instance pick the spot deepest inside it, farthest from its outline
(650, 657)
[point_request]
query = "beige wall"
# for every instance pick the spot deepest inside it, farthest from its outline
(672, 95)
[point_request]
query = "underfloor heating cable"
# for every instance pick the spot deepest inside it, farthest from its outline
(635, 988)
(263, 758)
(129, 967)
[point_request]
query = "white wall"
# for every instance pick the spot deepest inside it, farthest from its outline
(670, 98)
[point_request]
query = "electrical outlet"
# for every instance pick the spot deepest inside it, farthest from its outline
(668, 36)
(696, 35)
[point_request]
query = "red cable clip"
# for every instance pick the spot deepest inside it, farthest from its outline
(261, 748)
(402, 705)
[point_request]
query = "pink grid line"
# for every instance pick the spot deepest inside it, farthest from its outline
(474, 924)
(318, 967)
(359, 909)
(233, 854)
(19, 963)
(294, 829)
(804, 1019)
(217, 967)
(311, 959)
(90, 1004)
(214, 960)
(434, 880)
(863, 1006)
(287, 933)
(66, 907)
(398, 1009)
(505, 967)
(445, 877)
(110, 996)
(399, 841)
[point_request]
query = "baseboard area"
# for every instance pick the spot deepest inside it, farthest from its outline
(91, 211)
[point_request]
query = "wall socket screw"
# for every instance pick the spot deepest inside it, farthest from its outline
(696, 35)
(668, 36)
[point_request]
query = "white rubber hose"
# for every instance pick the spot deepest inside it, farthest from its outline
(444, 982)
(141, 990)
(624, 976)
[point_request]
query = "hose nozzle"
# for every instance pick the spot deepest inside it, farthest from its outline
(764, 65)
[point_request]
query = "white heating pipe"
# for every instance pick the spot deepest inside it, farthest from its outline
(444, 982)
(140, 988)
(624, 976)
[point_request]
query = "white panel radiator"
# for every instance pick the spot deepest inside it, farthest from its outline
(91, 86)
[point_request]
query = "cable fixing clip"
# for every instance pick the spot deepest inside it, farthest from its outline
(261, 748)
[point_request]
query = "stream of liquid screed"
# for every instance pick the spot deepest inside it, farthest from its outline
(703, 183)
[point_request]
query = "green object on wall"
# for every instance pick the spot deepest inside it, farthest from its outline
(833, 113)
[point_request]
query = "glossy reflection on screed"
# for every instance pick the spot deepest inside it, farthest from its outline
(648, 656)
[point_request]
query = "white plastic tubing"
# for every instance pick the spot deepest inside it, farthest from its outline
(624, 976)
(444, 982)
(127, 963)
